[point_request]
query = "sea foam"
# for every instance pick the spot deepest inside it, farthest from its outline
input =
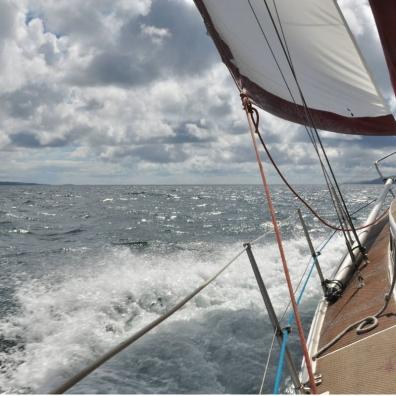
(217, 343)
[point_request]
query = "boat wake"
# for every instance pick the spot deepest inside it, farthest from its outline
(215, 344)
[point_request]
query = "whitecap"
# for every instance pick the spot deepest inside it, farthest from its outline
(20, 231)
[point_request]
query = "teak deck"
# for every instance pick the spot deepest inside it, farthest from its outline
(362, 363)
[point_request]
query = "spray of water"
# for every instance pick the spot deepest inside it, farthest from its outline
(216, 344)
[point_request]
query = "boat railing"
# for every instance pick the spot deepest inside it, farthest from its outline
(282, 333)
(392, 227)
(392, 208)
(376, 164)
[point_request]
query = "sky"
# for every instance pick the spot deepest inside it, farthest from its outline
(134, 92)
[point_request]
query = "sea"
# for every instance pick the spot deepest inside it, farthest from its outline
(82, 268)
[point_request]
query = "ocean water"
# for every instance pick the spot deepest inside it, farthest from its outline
(84, 267)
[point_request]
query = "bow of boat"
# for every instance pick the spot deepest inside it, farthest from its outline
(360, 362)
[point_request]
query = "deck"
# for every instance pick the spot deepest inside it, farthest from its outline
(362, 363)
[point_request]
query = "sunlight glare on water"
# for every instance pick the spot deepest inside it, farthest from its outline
(84, 267)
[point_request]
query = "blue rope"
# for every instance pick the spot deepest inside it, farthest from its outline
(285, 332)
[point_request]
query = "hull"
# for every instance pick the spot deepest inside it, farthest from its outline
(359, 363)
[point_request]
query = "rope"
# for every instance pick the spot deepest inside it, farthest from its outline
(285, 311)
(309, 119)
(279, 371)
(271, 50)
(249, 113)
(321, 248)
(130, 340)
(267, 364)
(295, 193)
(312, 124)
(280, 368)
(364, 325)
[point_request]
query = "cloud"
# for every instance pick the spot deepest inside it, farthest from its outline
(102, 87)
(24, 102)
(7, 22)
(157, 35)
(31, 140)
(168, 42)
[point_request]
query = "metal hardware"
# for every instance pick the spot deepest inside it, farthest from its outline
(313, 253)
(347, 236)
(272, 315)
(392, 226)
(318, 379)
(376, 164)
(286, 329)
(334, 290)
(348, 267)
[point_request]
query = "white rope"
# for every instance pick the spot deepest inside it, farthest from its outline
(273, 337)
(257, 239)
(130, 340)
(267, 364)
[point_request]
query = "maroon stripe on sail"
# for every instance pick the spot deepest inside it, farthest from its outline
(384, 12)
(382, 125)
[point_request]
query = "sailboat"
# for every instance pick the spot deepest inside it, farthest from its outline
(298, 60)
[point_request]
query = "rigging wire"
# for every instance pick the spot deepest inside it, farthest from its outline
(136, 336)
(309, 128)
(249, 114)
(311, 121)
(286, 331)
(363, 325)
(288, 305)
(311, 264)
(256, 121)
(271, 50)
(267, 363)
(322, 246)
(278, 376)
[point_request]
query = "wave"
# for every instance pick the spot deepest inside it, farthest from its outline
(138, 244)
(215, 344)
(70, 232)
(20, 231)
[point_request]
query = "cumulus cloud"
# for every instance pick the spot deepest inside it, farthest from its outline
(127, 91)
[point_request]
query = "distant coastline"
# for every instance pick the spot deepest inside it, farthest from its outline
(14, 183)
(373, 181)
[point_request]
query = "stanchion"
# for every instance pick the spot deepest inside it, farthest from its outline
(273, 318)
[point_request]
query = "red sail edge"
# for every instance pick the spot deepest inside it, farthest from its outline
(378, 126)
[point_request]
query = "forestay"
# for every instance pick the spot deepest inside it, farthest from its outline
(338, 89)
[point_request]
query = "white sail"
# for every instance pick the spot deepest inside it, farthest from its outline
(336, 84)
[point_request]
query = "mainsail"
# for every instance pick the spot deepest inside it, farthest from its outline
(257, 40)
